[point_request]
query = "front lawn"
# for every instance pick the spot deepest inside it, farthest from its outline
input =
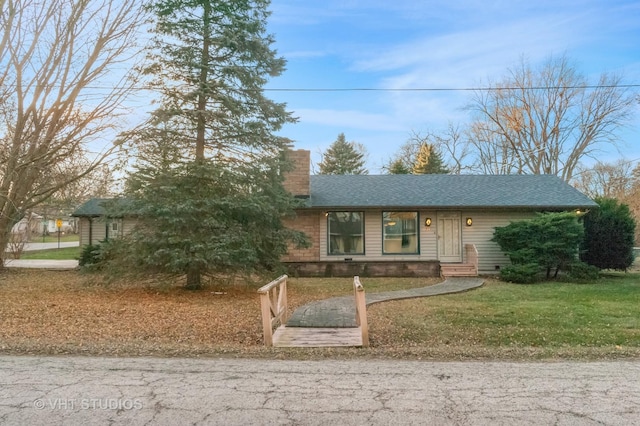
(53, 238)
(63, 253)
(56, 312)
(546, 318)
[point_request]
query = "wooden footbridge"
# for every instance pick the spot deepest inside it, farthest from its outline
(331, 322)
(273, 302)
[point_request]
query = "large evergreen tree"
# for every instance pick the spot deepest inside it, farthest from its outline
(208, 184)
(429, 161)
(343, 158)
(609, 235)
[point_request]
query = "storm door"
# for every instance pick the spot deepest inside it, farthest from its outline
(449, 237)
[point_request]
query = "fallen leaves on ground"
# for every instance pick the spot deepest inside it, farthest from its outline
(66, 312)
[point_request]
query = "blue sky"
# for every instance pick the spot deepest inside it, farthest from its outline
(439, 44)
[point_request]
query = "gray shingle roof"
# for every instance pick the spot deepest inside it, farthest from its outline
(445, 191)
(95, 207)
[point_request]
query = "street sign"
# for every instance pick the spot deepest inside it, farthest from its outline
(58, 223)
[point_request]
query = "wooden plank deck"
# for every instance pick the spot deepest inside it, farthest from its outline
(458, 270)
(308, 337)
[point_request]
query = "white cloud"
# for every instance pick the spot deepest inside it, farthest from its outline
(299, 54)
(349, 119)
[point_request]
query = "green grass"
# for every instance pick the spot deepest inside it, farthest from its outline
(550, 315)
(63, 253)
(53, 238)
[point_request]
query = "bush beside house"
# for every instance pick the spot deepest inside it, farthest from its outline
(546, 244)
(609, 236)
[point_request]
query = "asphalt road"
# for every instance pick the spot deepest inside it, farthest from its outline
(140, 391)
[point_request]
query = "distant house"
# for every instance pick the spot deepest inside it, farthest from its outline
(30, 224)
(94, 225)
(414, 225)
(394, 225)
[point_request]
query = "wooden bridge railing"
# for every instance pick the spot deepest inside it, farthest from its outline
(361, 310)
(273, 304)
(472, 255)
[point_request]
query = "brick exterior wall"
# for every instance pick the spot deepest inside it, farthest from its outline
(297, 180)
(427, 268)
(308, 222)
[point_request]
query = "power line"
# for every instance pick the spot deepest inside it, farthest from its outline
(381, 89)
(451, 89)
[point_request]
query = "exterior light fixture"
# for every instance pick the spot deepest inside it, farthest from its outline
(469, 221)
(427, 222)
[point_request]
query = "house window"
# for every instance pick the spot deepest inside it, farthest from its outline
(400, 233)
(112, 229)
(346, 232)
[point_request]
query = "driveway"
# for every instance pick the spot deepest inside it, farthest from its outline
(43, 264)
(138, 391)
(47, 246)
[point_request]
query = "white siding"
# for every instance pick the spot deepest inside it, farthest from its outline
(83, 231)
(127, 225)
(480, 234)
(99, 228)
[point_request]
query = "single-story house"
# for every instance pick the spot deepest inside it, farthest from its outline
(394, 225)
(95, 226)
(414, 225)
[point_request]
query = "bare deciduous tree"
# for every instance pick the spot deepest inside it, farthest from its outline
(619, 180)
(62, 84)
(609, 180)
(545, 121)
(451, 145)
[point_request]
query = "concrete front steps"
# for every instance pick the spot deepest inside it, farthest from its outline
(458, 270)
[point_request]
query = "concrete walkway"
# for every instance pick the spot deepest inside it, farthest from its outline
(49, 246)
(41, 263)
(340, 312)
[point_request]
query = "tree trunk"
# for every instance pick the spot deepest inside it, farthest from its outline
(3, 247)
(202, 79)
(6, 224)
(194, 278)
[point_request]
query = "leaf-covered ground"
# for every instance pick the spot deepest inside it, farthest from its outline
(66, 312)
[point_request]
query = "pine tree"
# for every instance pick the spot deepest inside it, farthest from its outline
(397, 167)
(609, 235)
(343, 158)
(208, 184)
(429, 161)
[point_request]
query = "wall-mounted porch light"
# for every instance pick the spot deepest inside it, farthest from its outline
(427, 222)
(469, 221)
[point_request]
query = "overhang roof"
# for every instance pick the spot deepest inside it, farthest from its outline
(96, 207)
(445, 191)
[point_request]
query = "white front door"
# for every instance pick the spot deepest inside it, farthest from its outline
(449, 237)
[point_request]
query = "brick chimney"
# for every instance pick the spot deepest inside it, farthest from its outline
(296, 181)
